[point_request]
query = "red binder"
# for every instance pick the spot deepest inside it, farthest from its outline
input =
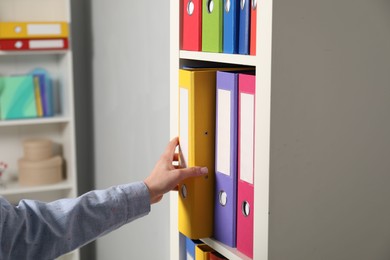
(245, 187)
(191, 33)
(33, 44)
(252, 36)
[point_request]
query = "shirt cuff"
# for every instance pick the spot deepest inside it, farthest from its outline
(138, 199)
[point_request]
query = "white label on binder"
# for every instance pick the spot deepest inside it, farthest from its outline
(223, 132)
(247, 118)
(184, 121)
(43, 29)
(46, 44)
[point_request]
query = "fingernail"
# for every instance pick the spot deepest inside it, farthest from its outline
(204, 170)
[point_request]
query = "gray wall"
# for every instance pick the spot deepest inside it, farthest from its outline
(121, 51)
(131, 113)
(330, 125)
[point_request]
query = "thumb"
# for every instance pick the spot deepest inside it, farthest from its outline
(192, 172)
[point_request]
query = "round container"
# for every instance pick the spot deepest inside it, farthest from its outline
(33, 173)
(37, 149)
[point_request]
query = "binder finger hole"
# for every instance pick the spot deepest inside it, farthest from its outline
(18, 29)
(190, 7)
(245, 208)
(184, 191)
(242, 4)
(227, 5)
(210, 6)
(254, 4)
(222, 198)
(18, 44)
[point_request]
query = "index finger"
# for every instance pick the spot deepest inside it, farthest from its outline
(170, 150)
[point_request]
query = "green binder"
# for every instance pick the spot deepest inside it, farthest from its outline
(212, 25)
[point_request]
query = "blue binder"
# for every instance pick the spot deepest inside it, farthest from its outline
(230, 26)
(243, 41)
(190, 248)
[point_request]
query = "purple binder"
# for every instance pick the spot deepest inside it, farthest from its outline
(226, 159)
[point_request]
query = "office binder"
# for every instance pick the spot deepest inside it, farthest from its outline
(246, 140)
(46, 89)
(230, 26)
(225, 196)
(243, 32)
(191, 16)
(202, 252)
(33, 44)
(190, 248)
(197, 140)
(216, 256)
(17, 97)
(17, 30)
(212, 25)
(253, 26)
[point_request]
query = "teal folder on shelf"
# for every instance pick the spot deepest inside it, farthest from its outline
(212, 25)
(17, 97)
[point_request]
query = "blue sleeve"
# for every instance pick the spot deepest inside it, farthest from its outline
(38, 230)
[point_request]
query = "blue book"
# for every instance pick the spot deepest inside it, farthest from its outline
(243, 40)
(230, 26)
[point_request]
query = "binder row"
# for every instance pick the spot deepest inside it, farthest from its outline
(33, 36)
(216, 129)
(227, 26)
(26, 96)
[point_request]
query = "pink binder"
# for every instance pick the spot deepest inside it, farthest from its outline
(245, 188)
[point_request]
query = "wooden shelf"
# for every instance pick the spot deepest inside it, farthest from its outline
(15, 188)
(237, 59)
(35, 121)
(48, 52)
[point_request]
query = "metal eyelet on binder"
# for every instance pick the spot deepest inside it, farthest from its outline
(254, 4)
(222, 198)
(18, 29)
(245, 208)
(18, 44)
(184, 191)
(210, 6)
(242, 4)
(190, 7)
(227, 6)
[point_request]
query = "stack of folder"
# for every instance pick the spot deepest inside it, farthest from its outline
(32, 36)
(26, 96)
(227, 26)
(216, 130)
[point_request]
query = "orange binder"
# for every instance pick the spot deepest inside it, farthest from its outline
(17, 30)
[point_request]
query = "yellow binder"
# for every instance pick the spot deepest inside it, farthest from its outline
(197, 135)
(12, 30)
(202, 252)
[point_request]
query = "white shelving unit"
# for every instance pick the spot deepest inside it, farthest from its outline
(321, 134)
(261, 62)
(60, 128)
